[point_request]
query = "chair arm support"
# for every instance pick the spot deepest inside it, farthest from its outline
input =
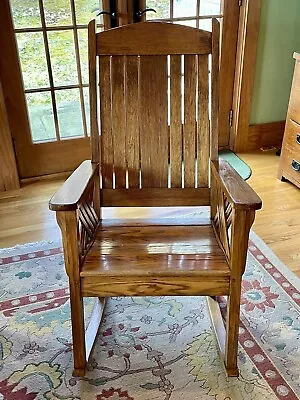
(239, 193)
(74, 188)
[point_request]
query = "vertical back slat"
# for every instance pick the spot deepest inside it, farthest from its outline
(175, 121)
(215, 89)
(132, 122)
(93, 91)
(189, 127)
(107, 160)
(203, 122)
(153, 91)
(118, 119)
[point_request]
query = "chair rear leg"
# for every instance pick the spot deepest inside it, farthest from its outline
(78, 331)
(232, 328)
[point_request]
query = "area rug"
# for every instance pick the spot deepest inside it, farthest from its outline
(148, 348)
(239, 165)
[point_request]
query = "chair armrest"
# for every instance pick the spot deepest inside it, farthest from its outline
(240, 194)
(70, 193)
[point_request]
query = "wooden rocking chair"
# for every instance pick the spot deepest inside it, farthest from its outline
(157, 147)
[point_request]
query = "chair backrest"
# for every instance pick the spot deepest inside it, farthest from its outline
(156, 133)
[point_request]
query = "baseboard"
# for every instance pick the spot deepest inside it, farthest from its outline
(57, 175)
(268, 134)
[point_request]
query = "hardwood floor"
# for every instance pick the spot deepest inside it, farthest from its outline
(278, 223)
(25, 217)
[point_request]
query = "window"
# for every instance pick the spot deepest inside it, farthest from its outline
(195, 13)
(52, 41)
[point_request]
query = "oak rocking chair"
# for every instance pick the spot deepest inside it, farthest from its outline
(158, 146)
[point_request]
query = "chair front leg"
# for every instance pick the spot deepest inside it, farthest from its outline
(78, 228)
(78, 330)
(242, 221)
(68, 223)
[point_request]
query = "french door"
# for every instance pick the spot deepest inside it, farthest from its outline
(51, 38)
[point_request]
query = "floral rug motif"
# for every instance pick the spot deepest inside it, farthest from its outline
(148, 348)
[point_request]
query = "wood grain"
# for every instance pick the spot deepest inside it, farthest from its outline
(93, 91)
(244, 76)
(155, 197)
(242, 222)
(290, 152)
(189, 127)
(118, 119)
(229, 32)
(122, 13)
(67, 221)
(264, 135)
(143, 264)
(70, 193)
(11, 81)
(145, 39)
(203, 136)
(291, 137)
(9, 178)
(147, 286)
(153, 87)
(107, 155)
(106, 17)
(294, 103)
(222, 219)
(132, 122)
(238, 192)
(55, 157)
(158, 218)
(175, 121)
(88, 222)
(154, 256)
(215, 90)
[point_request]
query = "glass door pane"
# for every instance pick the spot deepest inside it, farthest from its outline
(31, 47)
(162, 9)
(195, 13)
(52, 42)
(184, 8)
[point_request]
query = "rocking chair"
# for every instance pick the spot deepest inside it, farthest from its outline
(158, 146)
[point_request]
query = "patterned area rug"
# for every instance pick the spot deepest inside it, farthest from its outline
(148, 348)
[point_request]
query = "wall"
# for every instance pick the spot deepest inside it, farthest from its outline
(278, 38)
(8, 169)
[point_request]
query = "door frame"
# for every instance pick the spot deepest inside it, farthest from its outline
(230, 26)
(244, 76)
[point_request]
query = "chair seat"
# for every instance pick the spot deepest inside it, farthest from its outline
(155, 258)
